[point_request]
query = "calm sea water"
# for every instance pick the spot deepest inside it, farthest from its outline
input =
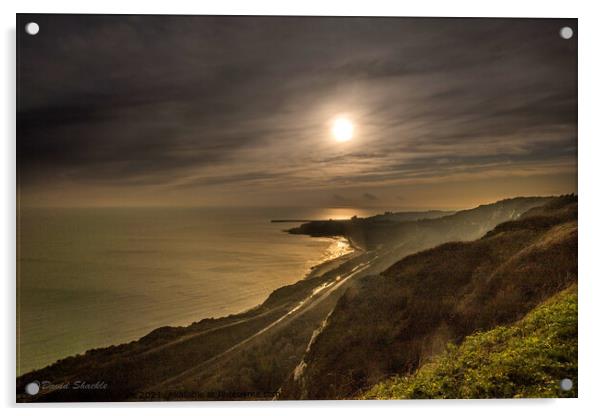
(96, 277)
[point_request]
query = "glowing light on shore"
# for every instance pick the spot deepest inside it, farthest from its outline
(339, 247)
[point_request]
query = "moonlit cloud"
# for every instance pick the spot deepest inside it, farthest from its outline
(233, 110)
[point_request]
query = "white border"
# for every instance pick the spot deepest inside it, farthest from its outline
(590, 204)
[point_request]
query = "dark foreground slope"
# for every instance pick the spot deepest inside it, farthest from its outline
(526, 359)
(390, 323)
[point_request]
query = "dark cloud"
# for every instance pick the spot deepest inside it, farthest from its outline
(370, 197)
(185, 102)
(341, 199)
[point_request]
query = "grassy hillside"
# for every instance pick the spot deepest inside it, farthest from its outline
(411, 311)
(526, 359)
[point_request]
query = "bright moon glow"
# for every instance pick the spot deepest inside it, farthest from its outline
(342, 129)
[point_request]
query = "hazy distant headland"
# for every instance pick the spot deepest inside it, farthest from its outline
(409, 264)
(356, 228)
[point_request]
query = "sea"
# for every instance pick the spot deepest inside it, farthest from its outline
(94, 277)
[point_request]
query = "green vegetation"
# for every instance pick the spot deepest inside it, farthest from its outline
(526, 359)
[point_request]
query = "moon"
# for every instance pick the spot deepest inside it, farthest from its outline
(342, 129)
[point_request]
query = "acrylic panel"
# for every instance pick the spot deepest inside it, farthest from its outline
(295, 208)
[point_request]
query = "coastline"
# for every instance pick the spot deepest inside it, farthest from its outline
(332, 263)
(281, 327)
(340, 251)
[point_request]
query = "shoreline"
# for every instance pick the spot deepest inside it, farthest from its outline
(315, 271)
(329, 264)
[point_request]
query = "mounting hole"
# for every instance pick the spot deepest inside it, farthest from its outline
(566, 384)
(32, 388)
(32, 28)
(566, 32)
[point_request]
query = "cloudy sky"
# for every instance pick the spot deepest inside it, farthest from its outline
(447, 113)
